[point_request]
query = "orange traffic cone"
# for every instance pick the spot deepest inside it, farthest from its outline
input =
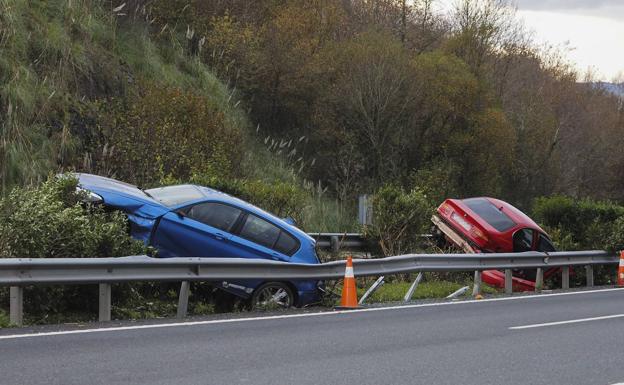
(620, 277)
(349, 293)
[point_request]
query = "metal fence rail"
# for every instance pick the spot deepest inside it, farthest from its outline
(337, 241)
(18, 273)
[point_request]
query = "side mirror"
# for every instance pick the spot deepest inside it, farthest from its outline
(181, 214)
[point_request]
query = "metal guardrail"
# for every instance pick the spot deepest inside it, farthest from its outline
(344, 241)
(336, 241)
(16, 272)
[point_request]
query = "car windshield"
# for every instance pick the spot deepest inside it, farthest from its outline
(490, 213)
(175, 195)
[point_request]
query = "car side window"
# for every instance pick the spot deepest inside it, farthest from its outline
(523, 240)
(218, 215)
(544, 244)
(258, 230)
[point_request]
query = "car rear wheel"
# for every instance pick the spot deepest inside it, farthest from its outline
(272, 296)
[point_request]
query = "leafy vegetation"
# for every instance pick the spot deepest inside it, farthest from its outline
(584, 224)
(50, 222)
(297, 107)
(394, 291)
(581, 224)
(400, 218)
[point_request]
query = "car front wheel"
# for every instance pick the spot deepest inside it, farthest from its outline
(272, 296)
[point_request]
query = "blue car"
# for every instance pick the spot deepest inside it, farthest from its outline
(196, 221)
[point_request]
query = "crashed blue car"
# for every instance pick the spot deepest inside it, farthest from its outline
(196, 221)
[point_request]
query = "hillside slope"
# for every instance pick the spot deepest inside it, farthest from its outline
(64, 64)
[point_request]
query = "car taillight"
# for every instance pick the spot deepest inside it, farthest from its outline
(445, 209)
(479, 234)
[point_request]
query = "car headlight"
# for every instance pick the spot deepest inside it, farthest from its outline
(89, 196)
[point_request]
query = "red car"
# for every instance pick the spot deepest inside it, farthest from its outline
(488, 225)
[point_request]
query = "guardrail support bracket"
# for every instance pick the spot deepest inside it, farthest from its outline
(412, 289)
(16, 311)
(565, 277)
(334, 244)
(476, 289)
(508, 282)
(589, 273)
(183, 300)
(372, 289)
(539, 280)
(104, 306)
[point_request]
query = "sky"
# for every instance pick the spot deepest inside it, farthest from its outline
(590, 31)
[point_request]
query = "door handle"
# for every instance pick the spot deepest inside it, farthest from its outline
(218, 236)
(275, 257)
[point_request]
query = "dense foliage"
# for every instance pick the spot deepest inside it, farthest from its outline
(363, 92)
(346, 97)
(400, 219)
(50, 222)
(581, 224)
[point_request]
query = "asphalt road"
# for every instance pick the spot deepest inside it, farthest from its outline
(458, 343)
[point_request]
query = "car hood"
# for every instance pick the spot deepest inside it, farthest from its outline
(122, 196)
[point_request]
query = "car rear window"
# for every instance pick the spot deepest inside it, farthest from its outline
(175, 195)
(490, 213)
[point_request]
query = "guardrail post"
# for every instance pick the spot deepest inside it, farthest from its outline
(104, 306)
(372, 289)
(565, 277)
(412, 289)
(183, 300)
(589, 274)
(508, 282)
(539, 279)
(334, 244)
(476, 289)
(16, 305)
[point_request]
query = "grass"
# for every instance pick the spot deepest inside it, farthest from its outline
(395, 291)
(4, 319)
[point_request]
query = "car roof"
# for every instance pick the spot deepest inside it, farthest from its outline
(521, 219)
(210, 194)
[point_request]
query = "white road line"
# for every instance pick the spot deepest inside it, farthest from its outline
(573, 321)
(301, 315)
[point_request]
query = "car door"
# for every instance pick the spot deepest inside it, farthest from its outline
(523, 240)
(200, 230)
(260, 238)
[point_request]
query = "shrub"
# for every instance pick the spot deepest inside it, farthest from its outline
(167, 131)
(50, 222)
(4, 320)
(399, 218)
(616, 238)
(582, 224)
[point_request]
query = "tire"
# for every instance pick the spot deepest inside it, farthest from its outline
(272, 296)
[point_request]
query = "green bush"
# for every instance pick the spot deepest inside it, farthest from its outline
(4, 320)
(399, 218)
(581, 224)
(616, 239)
(166, 131)
(50, 222)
